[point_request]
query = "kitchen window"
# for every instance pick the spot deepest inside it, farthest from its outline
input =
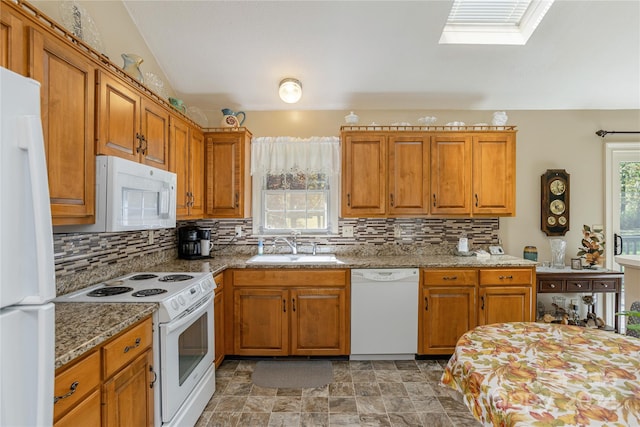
(295, 185)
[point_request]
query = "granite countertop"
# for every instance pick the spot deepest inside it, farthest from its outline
(218, 264)
(81, 326)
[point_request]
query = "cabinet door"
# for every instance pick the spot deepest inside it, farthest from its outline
(408, 175)
(118, 120)
(261, 322)
(318, 322)
(364, 169)
(155, 133)
(451, 174)
(227, 170)
(446, 313)
(504, 304)
(180, 165)
(12, 39)
(67, 95)
(196, 173)
(494, 178)
(128, 397)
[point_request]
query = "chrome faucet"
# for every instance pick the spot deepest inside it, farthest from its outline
(293, 245)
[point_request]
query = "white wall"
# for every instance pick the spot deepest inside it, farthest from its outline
(546, 139)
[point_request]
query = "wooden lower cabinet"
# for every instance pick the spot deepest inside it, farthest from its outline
(291, 312)
(454, 301)
(111, 386)
(127, 397)
(505, 295)
(447, 309)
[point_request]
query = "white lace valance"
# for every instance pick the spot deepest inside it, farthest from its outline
(275, 155)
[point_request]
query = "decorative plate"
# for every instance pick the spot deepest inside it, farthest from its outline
(198, 116)
(156, 84)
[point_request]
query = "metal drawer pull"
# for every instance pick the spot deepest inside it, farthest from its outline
(131, 347)
(284, 305)
(155, 377)
(426, 304)
(72, 389)
(450, 278)
(505, 277)
(604, 285)
(293, 304)
(578, 285)
(482, 299)
(552, 286)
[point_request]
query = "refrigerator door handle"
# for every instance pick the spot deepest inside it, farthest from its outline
(29, 136)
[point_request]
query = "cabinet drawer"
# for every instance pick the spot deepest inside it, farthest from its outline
(87, 413)
(85, 374)
(275, 277)
(604, 285)
(506, 277)
(123, 349)
(450, 277)
(578, 285)
(551, 286)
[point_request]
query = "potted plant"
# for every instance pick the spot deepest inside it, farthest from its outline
(632, 326)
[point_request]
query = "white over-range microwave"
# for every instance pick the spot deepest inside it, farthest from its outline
(130, 196)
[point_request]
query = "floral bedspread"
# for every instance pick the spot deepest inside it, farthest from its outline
(538, 374)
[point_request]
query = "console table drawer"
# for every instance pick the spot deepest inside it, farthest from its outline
(550, 285)
(605, 285)
(578, 285)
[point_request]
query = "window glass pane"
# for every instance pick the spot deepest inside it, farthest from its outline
(297, 201)
(274, 201)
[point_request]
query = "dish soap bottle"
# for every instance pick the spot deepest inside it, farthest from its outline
(260, 247)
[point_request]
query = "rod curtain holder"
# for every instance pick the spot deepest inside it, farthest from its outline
(604, 133)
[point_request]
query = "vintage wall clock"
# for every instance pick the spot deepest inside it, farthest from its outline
(554, 212)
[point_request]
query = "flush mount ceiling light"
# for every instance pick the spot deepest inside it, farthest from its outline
(507, 22)
(290, 90)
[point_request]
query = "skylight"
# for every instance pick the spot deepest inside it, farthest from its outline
(509, 22)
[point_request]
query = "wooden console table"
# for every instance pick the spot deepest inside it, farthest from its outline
(568, 281)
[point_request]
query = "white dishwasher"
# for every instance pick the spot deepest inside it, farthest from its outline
(384, 313)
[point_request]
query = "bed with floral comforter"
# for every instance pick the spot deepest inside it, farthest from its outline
(538, 374)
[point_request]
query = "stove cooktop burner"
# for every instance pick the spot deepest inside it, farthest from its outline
(175, 278)
(148, 292)
(143, 276)
(105, 292)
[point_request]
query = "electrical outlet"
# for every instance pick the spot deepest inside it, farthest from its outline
(347, 231)
(397, 230)
(238, 231)
(151, 237)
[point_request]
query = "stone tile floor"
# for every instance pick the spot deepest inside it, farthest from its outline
(363, 393)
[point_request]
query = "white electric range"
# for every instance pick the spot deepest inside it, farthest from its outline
(183, 335)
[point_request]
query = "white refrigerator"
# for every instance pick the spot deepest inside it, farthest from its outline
(27, 274)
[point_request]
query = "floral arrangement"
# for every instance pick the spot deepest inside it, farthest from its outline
(592, 248)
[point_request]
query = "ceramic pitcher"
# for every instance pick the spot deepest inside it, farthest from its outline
(132, 66)
(230, 119)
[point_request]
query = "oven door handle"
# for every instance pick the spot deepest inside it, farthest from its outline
(190, 314)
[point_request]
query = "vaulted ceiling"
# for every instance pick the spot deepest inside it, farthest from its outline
(352, 55)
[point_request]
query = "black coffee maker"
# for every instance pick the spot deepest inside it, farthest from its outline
(189, 238)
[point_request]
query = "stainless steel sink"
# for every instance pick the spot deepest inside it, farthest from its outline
(294, 259)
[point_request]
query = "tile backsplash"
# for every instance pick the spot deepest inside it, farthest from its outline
(84, 259)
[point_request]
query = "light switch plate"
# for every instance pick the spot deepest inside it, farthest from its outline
(238, 231)
(347, 231)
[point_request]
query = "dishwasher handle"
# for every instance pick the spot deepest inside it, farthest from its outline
(384, 275)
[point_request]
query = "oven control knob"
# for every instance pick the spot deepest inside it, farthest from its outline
(181, 300)
(174, 304)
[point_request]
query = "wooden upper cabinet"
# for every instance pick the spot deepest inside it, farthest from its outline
(228, 173)
(408, 175)
(494, 174)
(67, 81)
(364, 172)
(187, 162)
(12, 41)
(129, 125)
(451, 174)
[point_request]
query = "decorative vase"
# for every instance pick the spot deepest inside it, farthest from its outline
(132, 66)
(499, 118)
